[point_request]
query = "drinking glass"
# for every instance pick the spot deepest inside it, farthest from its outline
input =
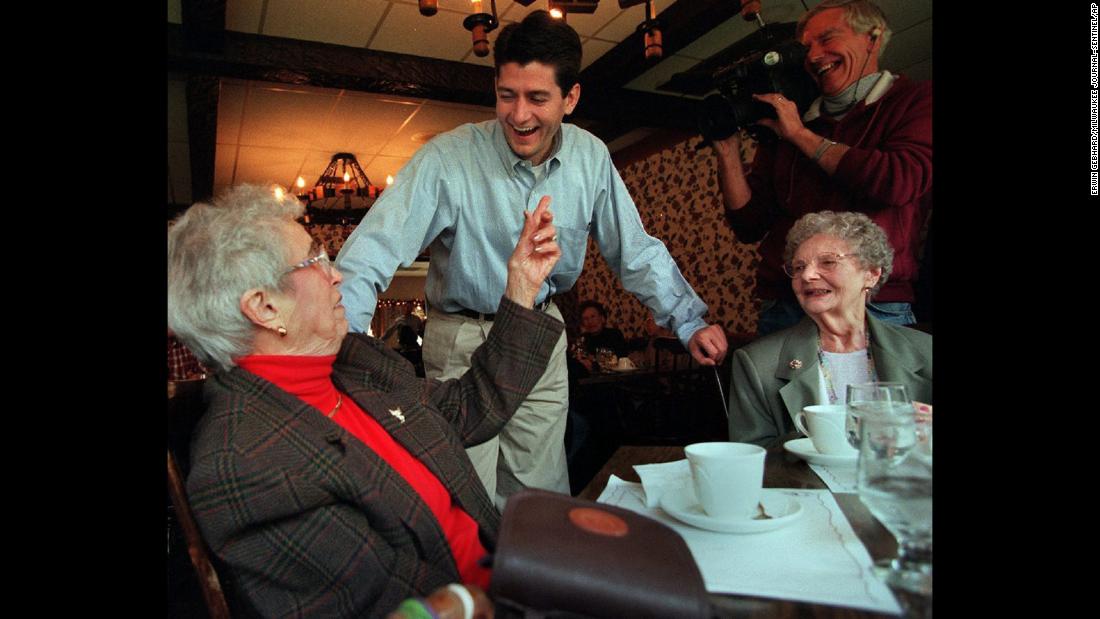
(895, 483)
(606, 358)
(877, 398)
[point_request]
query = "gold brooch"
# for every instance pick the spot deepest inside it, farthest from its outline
(397, 413)
(796, 364)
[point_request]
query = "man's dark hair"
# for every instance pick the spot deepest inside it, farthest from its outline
(541, 38)
(593, 304)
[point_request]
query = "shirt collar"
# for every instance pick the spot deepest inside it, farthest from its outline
(511, 161)
(877, 91)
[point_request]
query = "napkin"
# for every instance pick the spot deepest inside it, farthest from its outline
(816, 559)
(656, 478)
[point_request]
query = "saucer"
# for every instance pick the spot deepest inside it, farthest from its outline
(804, 448)
(681, 504)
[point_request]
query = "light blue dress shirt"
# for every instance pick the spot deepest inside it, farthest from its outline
(464, 193)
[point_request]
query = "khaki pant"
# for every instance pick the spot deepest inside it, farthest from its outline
(529, 452)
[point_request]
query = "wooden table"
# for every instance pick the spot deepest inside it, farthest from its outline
(781, 470)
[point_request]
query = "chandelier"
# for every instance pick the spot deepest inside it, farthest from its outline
(342, 193)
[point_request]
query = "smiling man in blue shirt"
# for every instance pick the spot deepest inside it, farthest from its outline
(463, 195)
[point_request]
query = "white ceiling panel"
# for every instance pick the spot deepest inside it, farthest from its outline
(591, 49)
(367, 123)
(282, 118)
(622, 25)
(902, 14)
(663, 72)
(378, 167)
(271, 165)
(243, 15)
(432, 119)
(343, 22)
(406, 31)
(587, 25)
(231, 98)
(905, 49)
(717, 39)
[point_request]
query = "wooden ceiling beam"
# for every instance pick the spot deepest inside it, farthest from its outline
(291, 61)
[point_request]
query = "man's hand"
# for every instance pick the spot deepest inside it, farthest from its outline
(708, 345)
(535, 255)
(788, 124)
(729, 148)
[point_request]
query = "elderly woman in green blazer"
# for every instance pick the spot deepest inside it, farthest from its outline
(836, 261)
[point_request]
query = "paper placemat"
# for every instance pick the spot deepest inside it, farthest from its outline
(816, 559)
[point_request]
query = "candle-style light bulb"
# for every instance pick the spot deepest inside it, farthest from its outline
(301, 183)
(279, 193)
(555, 13)
(389, 179)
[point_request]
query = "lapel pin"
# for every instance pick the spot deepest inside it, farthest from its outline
(397, 413)
(796, 364)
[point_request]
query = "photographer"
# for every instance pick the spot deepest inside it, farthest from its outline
(864, 145)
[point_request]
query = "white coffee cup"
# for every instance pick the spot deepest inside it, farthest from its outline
(728, 477)
(824, 424)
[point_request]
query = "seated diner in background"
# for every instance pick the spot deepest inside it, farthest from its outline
(325, 476)
(836, 262)
(596, 335)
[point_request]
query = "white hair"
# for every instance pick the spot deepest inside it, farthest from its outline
(216, 252)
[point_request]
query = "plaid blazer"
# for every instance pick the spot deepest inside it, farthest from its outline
(311, 522)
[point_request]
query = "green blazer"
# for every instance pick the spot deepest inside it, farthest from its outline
(777, 375)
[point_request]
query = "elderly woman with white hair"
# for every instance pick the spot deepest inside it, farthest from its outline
(836, 262)
(326, 476)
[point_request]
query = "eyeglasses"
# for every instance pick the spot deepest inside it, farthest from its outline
(825, 263)
(320, 259)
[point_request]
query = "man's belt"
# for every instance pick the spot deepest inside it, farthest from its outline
(469, 313)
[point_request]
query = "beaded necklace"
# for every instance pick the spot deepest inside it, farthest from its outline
(871, 376)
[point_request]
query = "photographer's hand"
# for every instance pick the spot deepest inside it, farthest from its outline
(731, 172)
(788, 125)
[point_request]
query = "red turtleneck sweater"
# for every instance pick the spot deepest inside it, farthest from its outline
(310, 379)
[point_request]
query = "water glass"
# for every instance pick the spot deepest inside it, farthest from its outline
(606, 358)
(878, 398)
(895, 483)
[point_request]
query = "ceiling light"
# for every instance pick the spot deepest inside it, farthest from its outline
(342, 192)
(480, 24)
(650, 28)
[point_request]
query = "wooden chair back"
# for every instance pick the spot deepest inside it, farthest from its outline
(184, 407)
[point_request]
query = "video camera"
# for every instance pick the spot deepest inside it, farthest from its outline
(778, 68)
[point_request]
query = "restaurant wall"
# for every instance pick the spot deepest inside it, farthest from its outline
(677, 195)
